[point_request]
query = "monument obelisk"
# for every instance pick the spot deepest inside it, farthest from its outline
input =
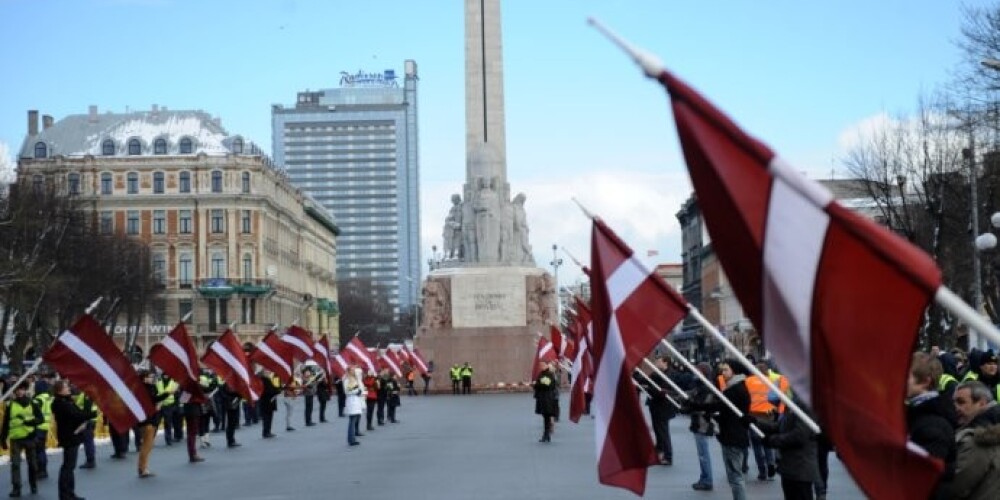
(485, 301)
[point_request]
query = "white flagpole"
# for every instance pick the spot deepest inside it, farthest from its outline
(948, 300)
(665, 377)
(672, 401)
(753, 369)
(715, 390)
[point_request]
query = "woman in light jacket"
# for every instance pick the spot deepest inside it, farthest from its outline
(355, 404)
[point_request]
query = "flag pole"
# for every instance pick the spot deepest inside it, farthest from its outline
(649, 64)
(186, 317)
(715, 390)
(672, 401)
(948, 300)
(665, 377)
(571, 257)
(753, 369)
(38, 360)
(584, 209)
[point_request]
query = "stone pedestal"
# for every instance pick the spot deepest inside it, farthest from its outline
(488, 316)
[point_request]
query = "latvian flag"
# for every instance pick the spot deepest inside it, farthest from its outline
(301, 341)
(418, 361)
(177, 357)
(321, 355)
(275, 355)
(87, 357)
(339, 365)
(388, 360)
(544, 352)
(358, 353)
(226, 358)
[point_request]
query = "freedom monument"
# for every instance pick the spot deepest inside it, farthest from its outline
(486, 300)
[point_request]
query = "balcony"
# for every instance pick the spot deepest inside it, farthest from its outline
(254, 288)
(328, 306)
(216, 288)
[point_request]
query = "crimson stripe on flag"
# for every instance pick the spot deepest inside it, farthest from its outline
(273, 356)
(299, 345)
(236, 366)
(180, 353)
(88, 355)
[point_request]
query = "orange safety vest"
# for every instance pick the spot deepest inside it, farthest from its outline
(758, 396)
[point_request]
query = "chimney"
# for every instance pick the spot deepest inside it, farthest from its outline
(32, 122)
(92, 113)
(46, 122)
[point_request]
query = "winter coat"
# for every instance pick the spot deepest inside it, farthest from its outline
(931, 428)
(796, 443)
(701, 421)
(269, 396)
(657, 400)
(732, 429)
(355, 404)
(546, 394)
(977, 463)
(69, 417)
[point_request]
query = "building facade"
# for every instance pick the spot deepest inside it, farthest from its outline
(354, 149)
(231, 239)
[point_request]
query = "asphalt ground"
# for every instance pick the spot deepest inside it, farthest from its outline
(483, 446)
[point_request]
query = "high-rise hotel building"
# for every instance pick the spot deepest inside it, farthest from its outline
(354, 149)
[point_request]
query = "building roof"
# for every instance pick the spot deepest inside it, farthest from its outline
(84, 134)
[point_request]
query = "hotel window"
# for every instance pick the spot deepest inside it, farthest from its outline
(41, 151)
(159, 268)
(160, 147)
(108, 147)
(218, 265)
(106, 184)
(186, 146)
(247, 267)
(185, 222)
(134, 147)
(158, 182)
(218, 221)
(246, 182)
(74, 184)
(245, 221)
(133, 183)
(159, 221)
(216, 181)
(185, 182)
(107, 222)
(132, 222)
(185, 270)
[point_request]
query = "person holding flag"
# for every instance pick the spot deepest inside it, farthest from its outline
(148, 427)
(70, 423)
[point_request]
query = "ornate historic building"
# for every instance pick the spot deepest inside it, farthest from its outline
(232, 240)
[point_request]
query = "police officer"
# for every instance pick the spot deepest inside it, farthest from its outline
(456, 378)
(168, 408)
(19, 422)
(466, 378)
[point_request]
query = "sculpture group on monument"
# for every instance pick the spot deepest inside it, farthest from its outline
(486, 228)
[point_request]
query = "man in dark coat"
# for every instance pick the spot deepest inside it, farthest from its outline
(661, 411)
(797, 464)
(70, 423)
(268, 403)
(929, 415)
(732, 427)
(546, 399)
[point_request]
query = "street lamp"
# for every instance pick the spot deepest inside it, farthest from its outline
(556, 262)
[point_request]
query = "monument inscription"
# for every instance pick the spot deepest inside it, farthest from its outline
(488, 300)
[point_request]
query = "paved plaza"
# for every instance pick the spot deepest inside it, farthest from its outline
(445, 447)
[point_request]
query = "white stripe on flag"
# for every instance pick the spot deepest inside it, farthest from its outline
(793, 244)
(298, 343)
(606, 384)
(235, 365)
(362, 355)
(92, 358)
(629, 275)
(175, 348)
(546, 348)
(266, 349)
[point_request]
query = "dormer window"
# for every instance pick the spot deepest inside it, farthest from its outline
(186, 146)
(238, 146)
(160, 147)
(108, 147)
(134, 147)
(41, 150)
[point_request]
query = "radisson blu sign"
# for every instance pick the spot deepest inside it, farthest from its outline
(362, 79)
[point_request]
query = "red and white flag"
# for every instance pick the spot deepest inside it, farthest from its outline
(582, 373)
(418, 361)
(321, 355)
(837, 298)
(87, 357)
(544, 352)
(301, 341)
(226, 358)
(556, 337)
(388, 360)
(632, 309)
(358, 353)
(338, 365)
(275, 355)
(177, 357)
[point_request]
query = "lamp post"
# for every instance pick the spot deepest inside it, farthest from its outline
(556, 262)
(984, 242)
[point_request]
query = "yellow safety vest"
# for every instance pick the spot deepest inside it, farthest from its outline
(44, 401)
(944, 380)
(169, 388)
(18, 415)
(466, 371)
(81, 403)
(456, 373)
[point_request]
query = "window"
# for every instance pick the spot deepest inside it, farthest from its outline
(106, 185)
(160, 147)
(132, 222)
(108, 147)
(159, 221)
(184, 306)
(159, 268)
(186, 146)
(185, 270)
(133, 183)
(218, 221)
(249, 311)
(74, 184)
(238, 146)
(218, 265)
(185, 222)
(245, 222)
(107, 222)
(158, 182)
(246, 182)
(247, 267)
(134, 147)
(37, 184)
(216, 181)
(159, 312)
(41, 151)
(185, 182)
(217, 313)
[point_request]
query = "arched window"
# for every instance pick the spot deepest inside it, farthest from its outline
(238, 146)
(185, 269)
(108, 147)
(74, 183)
(133, 183)
(41, 150)
(134, 147)
(185, 182)
(216, 181)
(246, 182)
(106, 184)
(160, 147)
(186, 146)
